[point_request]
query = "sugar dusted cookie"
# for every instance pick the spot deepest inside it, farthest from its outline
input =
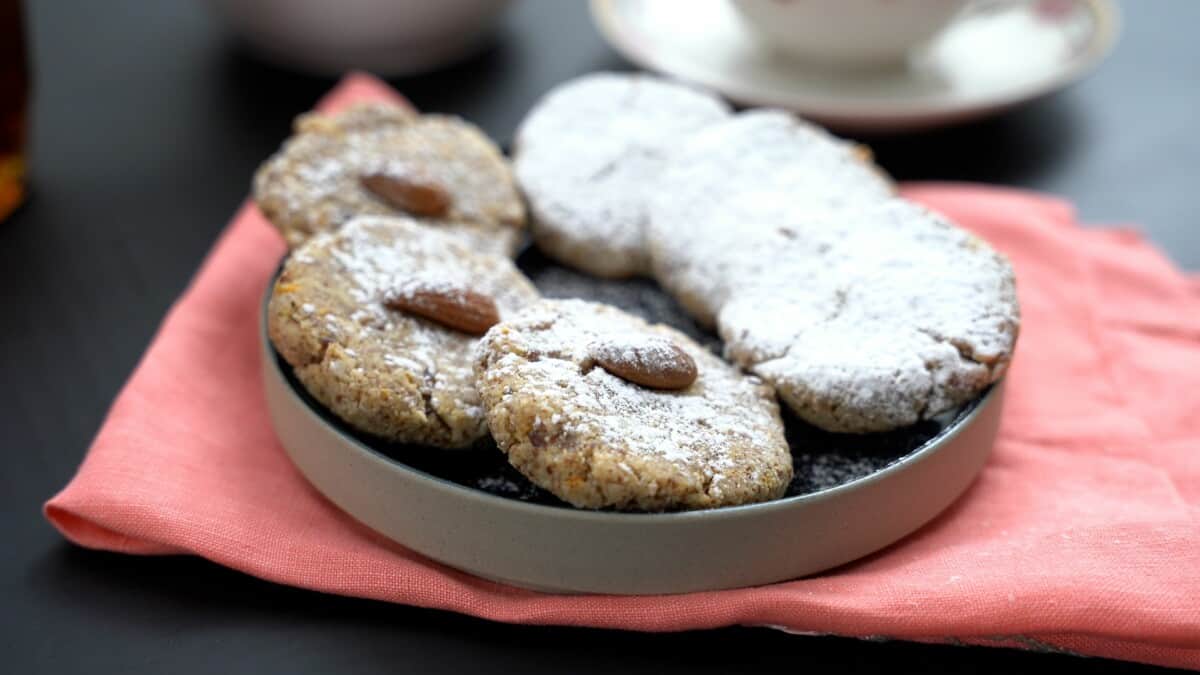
(607, 411)
(757, 170)
(866, 312)
(380, 159)
(379, 320)
(588, 154)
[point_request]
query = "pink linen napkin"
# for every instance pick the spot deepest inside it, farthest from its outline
(1082, 534)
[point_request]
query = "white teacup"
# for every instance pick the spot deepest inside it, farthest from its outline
(853, 33)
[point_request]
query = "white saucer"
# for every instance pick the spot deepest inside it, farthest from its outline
(996, 56)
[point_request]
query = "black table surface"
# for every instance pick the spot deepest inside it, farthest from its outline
(148, 120)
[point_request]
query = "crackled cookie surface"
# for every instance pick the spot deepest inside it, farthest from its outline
(597, 440)
(588, 154)
(316, 181)
(866, 312)
(335, 316)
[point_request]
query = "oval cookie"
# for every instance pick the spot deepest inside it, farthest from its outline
(588, 154)
(864, 311)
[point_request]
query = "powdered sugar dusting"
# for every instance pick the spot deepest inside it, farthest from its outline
(638, 350)
(413, 287)
(724, 424)
(587, 156)
(649, 360)
(865, 311)
(313, 183)
(336, 294)
(381, 256)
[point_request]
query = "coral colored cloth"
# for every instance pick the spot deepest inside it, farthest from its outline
(1082, 533)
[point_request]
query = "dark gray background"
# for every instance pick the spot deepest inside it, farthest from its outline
(148, 122)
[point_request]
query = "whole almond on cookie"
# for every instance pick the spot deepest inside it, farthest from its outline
(649, 361)
(450, 304)
(412, 194)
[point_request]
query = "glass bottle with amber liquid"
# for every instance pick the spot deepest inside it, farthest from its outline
(14, 98)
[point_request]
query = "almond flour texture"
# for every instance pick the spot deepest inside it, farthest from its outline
(315, 182)
(596, 440)
(389, 373)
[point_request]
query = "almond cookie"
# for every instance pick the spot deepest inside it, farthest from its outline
(607, 411)
(381, 159)
(587, 155)
(379, 320)
(866, 312)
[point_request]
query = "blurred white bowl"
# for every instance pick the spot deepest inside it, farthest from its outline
(387, 37)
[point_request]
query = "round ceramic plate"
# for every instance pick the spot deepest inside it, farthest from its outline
(997, 55)
(852, 495)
